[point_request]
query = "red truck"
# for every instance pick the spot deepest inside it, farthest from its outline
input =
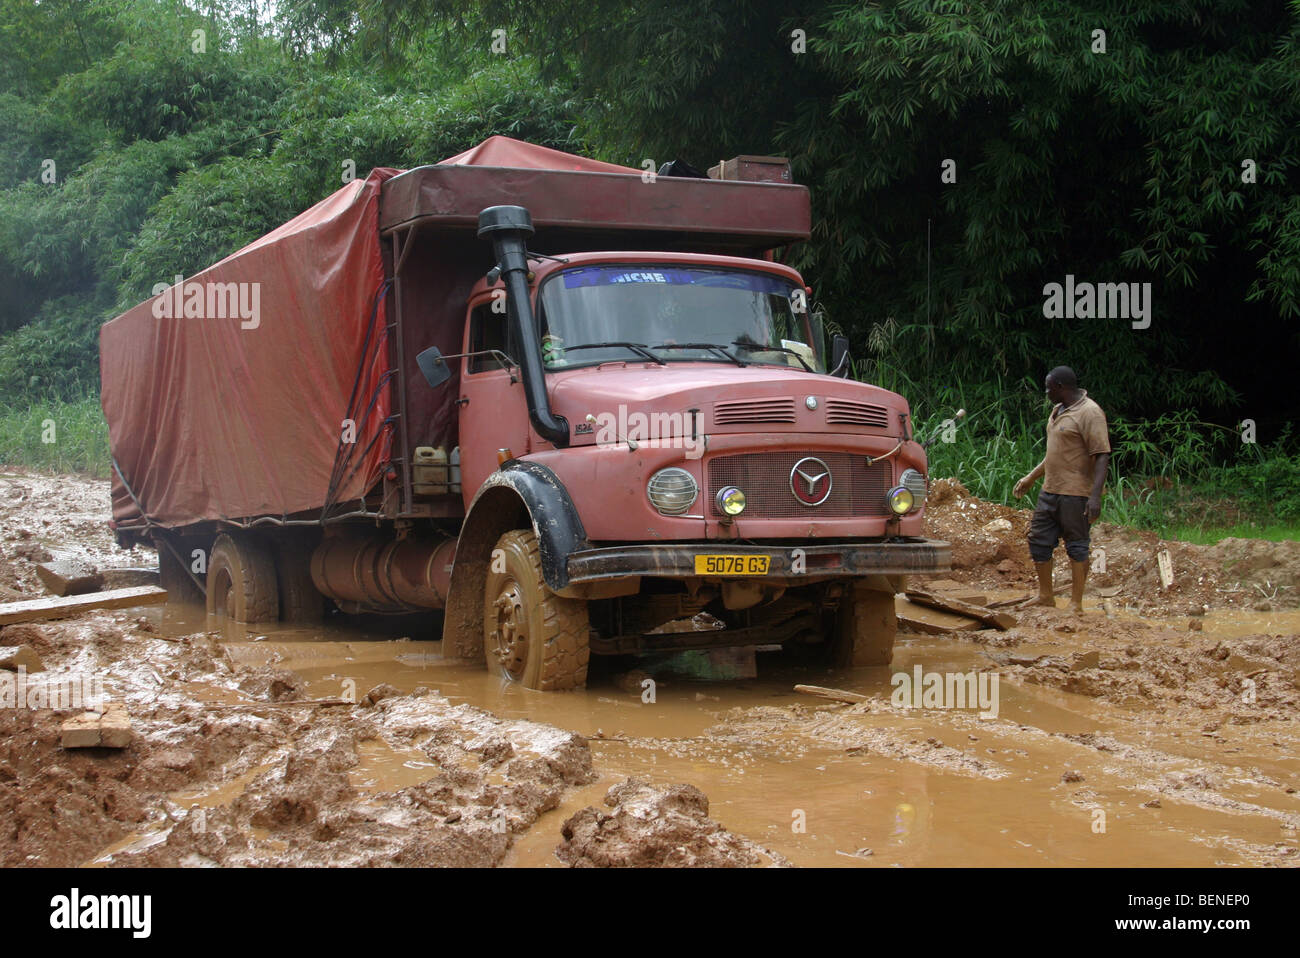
(579, 407)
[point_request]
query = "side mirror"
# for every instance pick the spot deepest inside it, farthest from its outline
(435, 368)
(840, 357)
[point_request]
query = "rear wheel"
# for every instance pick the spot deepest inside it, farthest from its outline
(864, 627)
(300, 600)
(242, 583)
(530, 634)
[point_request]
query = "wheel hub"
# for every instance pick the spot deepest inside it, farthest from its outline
(224, 599)
(511, 633)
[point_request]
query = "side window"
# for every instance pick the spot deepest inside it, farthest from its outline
(488, 330)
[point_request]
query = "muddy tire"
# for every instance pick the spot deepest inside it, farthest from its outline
(530, 634)
(864, 628)
(242, 583)
(300, 601)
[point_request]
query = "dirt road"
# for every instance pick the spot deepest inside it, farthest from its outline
(1158, 729)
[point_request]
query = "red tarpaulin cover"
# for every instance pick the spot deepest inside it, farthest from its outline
(516, 154)
(216, 415)
(241, 416)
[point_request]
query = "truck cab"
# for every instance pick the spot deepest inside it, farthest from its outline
(692, 475)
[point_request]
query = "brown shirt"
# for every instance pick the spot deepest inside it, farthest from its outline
(1074, 435)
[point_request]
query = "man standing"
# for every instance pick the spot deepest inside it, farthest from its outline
(1078, 452)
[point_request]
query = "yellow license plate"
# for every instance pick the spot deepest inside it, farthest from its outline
(731, 565)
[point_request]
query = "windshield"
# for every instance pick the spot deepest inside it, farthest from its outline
(596, 314)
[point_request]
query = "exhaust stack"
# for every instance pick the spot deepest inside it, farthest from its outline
(508, 227)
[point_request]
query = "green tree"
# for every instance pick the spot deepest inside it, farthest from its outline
(1121, 162)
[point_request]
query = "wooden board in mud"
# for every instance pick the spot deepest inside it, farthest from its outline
(999, 620)
(917, 618)
(34, 610)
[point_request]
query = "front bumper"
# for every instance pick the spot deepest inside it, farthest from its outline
(805, 562)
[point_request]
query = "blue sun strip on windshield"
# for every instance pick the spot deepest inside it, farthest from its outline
(618, 276)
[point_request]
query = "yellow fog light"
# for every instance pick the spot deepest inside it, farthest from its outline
(731, 501)
(900, 500)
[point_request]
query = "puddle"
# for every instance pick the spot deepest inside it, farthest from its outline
(224, 793)
(807, 797)
(384, 767)
(798, 788)
(1233, 624)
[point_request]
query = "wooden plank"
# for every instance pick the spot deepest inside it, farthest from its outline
(939, 585)
(34, 610)
(835, 695)
(288, 703)
(917, 618)
(1000, 620)
(954, 589)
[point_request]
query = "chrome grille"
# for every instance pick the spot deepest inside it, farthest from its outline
(852, 413)
(753, 410)
(764, 478)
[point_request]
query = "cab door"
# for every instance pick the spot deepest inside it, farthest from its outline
(493, 408)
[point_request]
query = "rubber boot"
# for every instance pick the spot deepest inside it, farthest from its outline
(1078, 576)
(1045, 595)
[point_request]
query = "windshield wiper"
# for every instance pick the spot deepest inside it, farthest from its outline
(638, 348)
(713, 346)
(755, 347)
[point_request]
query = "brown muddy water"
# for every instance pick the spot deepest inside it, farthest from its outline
(1162, 729)
(1056, 778)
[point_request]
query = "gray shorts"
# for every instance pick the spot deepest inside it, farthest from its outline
(1056, 518)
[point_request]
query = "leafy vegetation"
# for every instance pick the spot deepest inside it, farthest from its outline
(1174, 475)
(960, 157)
(57, 436)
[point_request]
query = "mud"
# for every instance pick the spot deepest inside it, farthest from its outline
(656, 826)
(989, 550)
(1157, 729)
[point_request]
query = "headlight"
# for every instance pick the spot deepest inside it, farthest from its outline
(731, 501)
(913, 482)
(899, 500)
(672, 491)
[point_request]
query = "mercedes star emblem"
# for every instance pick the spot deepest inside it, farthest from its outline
(810, 481)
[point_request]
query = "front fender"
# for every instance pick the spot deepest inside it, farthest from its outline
(518, 495)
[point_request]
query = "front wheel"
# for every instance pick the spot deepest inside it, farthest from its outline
(531, 635)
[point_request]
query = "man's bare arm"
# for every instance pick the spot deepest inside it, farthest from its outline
(1100, 463)
(1023, 485)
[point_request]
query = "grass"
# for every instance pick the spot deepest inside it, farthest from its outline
(1206, 512)
(1176, 475)
(1208, 535)
(56, 436)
